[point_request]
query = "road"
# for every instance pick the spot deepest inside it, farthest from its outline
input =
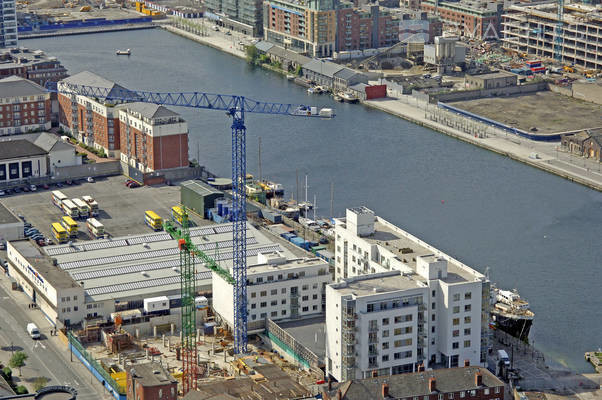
(48, 357)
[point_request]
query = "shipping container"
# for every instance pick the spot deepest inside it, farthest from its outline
(156, 304)
(288, 236)
(315, 249)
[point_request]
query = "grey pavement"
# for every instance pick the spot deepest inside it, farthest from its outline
(48, 357)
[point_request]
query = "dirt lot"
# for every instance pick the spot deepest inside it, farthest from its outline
(547, 111)
(121, 208)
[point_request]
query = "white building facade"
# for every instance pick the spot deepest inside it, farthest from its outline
(451, 317)
(8, 24)
(277, 289)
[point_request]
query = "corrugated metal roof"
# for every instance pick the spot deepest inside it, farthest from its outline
(18, 149)
(200, 188)
(321, 67)
(264, 46)
(151, 111)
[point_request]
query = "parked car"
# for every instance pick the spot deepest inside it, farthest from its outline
(69, 182)
(37, 237)
(2, 193)
(8, 192)
(33, 188)
(134, 185)
(59, 184)
(127, 182)
(90, 179)
(45, 186)
(41, 242)
(17, 189)
(26, 189)
(27, 225)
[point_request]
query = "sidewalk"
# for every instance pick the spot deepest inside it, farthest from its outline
(217, 40)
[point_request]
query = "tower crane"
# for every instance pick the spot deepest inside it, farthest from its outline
(235, 107)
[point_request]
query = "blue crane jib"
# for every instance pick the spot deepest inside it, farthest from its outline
(236, 107)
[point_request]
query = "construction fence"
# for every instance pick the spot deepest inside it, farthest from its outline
(116, 390)
(301, 354)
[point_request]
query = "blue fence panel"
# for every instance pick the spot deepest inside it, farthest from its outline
(96, 375)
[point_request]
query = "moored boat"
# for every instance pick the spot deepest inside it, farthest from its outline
(349, 97)
(510, 313)
(126, 52)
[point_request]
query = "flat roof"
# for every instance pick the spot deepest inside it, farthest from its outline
(43, 264)
(6, 216)
(493, 75)
(289, 264)
(147, 265)
(201, 188)
(370, 285)
(310, 332)
(151, 374)
(409, 248)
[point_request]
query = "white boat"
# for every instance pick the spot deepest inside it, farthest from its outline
(126, 52)
(337, 98)
(290, 77)
(349, 98)
(315, 90)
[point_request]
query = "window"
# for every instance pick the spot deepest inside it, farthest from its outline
(385, 321)
(397, 343)
(462, 394)
(283, 290)
(466, 331)
(274, 302)
(253, 306)
(433, 293)
(385, 357)
(450, 396)
(386, 333)
(253, 295)
(314, 308)
(467, 320)
(274, 313)
(486, 391)
(305, 308)
(467, 308)
(314, 297)
(369, 307)
(397, 331)
(497, 389)
(456, 321)
(270, 278)
(457, 297)
(385, 345)
(467, 295)
(433, 317)
(274, 292)
(263, 293)
(283, 312)
(305, 287)
(433, 305)
(467, 343)
(456, 333)
(456, 309)
(263, 315)
(263, 304)
(305, 298)
(283, 301)
(259, 279)
(455, 345)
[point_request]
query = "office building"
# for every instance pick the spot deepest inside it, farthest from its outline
(8, 24)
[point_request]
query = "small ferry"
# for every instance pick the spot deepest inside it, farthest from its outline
(125, 52)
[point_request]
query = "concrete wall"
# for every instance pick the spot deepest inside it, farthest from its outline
(85, 170)
(476, 94)
(591, 92)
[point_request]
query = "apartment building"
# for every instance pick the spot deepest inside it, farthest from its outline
(152, 137)
(307, 27)
(244, 16)
(477, 19)
(383, 275)
(278, 289)
(34, 65)
(8, 24)
(92, 120)
(532, 30)
(365, 28)
(24, 106)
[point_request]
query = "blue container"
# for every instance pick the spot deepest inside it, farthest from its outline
(226, 209)
(288, 236)
(298, 241)
(220, 207)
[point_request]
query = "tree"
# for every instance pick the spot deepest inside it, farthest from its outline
(18, 360)
(21, 390)
(252, 54)
(39, 383)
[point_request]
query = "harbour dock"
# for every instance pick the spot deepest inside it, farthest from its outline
(595, 358)
(86, 31)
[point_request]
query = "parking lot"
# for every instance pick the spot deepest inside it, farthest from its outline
(121, 208)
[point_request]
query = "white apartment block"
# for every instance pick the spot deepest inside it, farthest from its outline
(277, 289)
(8, 24)
(448, 302)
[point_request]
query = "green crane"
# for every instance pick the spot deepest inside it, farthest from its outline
(189, 254)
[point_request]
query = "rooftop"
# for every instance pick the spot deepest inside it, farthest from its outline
(409, 248)
(309, 332)
(6, 216)
(14, 86)
(151, 111)
(321, 67)
(18, 149)
(148, 264)
(152, 374)
(200, 188)
(370, 285)
(87, 78)
(43, 264)
(493, 75)
(416, 384)
(289, 264)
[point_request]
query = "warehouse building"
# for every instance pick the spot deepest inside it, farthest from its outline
(491, 80)
(11, 227)
(87, 281)
(413, 304)
(198, 196)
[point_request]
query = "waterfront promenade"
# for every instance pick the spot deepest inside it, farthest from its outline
(545, 156)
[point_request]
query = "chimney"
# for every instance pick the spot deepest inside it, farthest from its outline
(375, 374)
(329, 384)
(478, 379)
(339, 395)
(385, 390)
(467, 363)
(432, 385)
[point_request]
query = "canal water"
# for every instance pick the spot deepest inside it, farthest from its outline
(532, 230)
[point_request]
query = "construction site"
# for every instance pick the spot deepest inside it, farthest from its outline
(570, 33)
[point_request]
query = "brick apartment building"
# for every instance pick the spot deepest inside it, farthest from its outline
(476, 19)
(24, 106)
(152, 137)
(359, 29)
(466, 383)
(34, 65)
(93, 121)
(151, 382)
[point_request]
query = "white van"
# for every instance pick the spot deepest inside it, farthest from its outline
(33, 330)
(503, 357)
